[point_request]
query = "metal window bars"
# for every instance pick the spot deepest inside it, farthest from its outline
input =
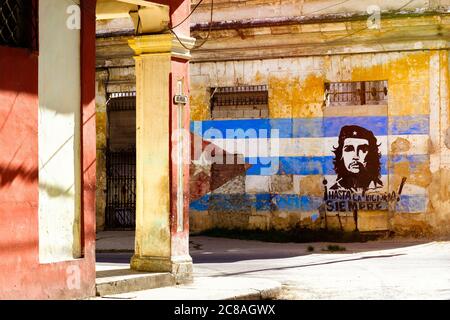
(120, 211)
(121, 190)
(18, 23)
(240, 102)
(357, 93)
(122, 101)
(241, 95)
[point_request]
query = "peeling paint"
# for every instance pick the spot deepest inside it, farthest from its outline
(440, 200)
(447, 138)
(282, 184)
(406, 226)
(199, 105)
(400, 145)
(311, 185)
(292, 97)
(419, 175)
(408, 78)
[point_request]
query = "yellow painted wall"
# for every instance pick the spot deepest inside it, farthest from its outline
(418, 85)
(296, 85)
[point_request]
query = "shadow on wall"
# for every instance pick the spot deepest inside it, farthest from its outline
(9, 173)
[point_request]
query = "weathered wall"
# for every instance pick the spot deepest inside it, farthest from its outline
(232, 10)
(101, 138)
(408, 130)
(22, 275)
(59, 154)
(294, 47)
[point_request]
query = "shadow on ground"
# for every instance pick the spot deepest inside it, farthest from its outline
(204, 250)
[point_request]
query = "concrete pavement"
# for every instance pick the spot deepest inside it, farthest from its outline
(115, 241)
(114, 279)
(209, 288)
(388, 269)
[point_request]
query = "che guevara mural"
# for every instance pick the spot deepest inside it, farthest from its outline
(357, 160)
(357, 164)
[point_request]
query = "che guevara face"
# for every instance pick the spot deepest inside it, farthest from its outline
(354, 154)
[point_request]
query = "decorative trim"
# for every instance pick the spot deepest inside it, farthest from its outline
(162, 43)
(276, 51)
(179, 51)
(300, 20)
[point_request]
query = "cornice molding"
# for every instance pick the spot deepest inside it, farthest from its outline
(350, 37)
(299, 20)
(278, 51)
(162, 43)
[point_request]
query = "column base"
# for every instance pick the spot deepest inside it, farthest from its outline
(180, 267)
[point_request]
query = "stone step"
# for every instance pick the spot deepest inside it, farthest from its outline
(110, 282)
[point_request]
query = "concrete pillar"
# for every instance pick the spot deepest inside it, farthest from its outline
(162, 245)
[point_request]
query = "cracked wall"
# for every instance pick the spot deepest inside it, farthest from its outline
(412, 128)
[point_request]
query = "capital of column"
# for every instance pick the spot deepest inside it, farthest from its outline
(162, 43)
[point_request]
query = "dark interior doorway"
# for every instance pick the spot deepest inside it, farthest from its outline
(121, 162)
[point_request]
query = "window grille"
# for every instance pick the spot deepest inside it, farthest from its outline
(356, 93)
(18, 23)
(240, 102)
(122, 101)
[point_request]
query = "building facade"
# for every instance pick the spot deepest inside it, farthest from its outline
(47, 140)
(332, 115)
(48, 143)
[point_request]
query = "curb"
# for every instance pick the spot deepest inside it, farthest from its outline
(270, 293)
(209, 288)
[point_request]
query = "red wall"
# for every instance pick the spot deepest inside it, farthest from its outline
(179, 9)
(21, 275)
(180, 240)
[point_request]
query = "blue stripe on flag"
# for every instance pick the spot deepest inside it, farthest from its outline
(307, 128)
(412, 203)
(288, 202)
(201, 204)
(313, 127)
(333, 125)
(417, 124)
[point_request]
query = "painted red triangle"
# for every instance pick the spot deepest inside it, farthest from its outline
(202, 182)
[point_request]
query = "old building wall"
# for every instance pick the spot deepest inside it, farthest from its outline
(295, 47)
(232, 10)
(59, 154)
(24, 272)
(101, 136)
(407, 129)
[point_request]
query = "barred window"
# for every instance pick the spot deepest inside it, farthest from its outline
(356, 93)
(18, 23)
(240, 102)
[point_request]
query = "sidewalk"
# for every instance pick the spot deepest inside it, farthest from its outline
(114, 250)
(243, 269)
(208, 288)
(115, 241)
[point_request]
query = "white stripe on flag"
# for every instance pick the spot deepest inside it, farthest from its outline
(315, 147)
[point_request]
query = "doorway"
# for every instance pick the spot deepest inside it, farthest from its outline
(120, 211)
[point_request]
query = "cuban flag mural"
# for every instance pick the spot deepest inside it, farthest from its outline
(306, 164)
